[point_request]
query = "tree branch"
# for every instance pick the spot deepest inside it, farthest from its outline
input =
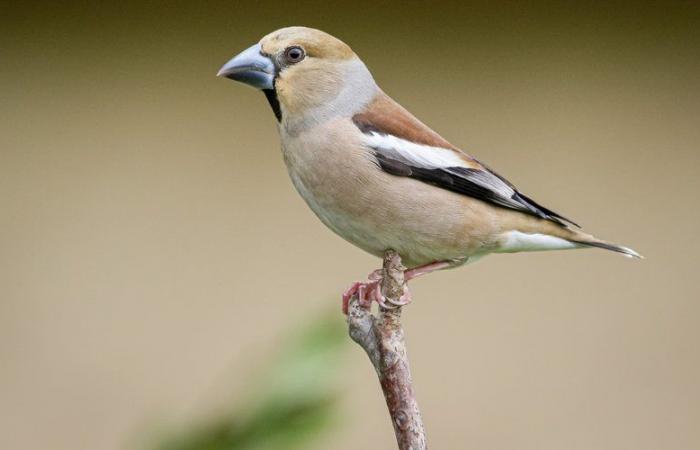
(382, 337)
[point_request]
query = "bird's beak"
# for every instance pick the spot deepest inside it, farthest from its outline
(250, 67)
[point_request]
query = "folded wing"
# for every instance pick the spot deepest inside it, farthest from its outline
(404, 146)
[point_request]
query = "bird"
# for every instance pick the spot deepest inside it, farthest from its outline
(380, 178)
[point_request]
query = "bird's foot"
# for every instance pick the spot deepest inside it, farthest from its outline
(371, 290)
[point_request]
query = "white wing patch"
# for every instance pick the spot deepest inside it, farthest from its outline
(425, 156)
(517, 241)
(429, 157)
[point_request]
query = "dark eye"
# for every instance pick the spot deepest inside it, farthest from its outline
(294, 54)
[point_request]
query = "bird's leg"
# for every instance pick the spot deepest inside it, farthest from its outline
(371, 290)
(409, 274)
(425, 269)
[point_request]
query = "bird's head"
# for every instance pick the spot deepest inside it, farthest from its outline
(303, 72)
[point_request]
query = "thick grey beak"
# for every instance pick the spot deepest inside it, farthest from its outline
(250, 67)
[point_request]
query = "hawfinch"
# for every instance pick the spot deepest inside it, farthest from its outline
(380, 178)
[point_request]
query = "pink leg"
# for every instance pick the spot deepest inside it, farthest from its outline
(425, 269)
(371, 290)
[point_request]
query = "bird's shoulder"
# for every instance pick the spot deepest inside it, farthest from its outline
(383, 115)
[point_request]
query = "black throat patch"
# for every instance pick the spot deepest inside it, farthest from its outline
(271, 96)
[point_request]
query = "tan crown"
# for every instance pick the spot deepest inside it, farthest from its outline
(315, 43)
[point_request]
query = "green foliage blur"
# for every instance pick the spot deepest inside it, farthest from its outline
(292, 403)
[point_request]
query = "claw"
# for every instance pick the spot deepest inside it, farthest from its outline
(404, 300)
(363, 298)
(347, 295)
(377, 292)
(376, 275)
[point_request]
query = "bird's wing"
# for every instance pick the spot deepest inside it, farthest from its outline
(404, 146)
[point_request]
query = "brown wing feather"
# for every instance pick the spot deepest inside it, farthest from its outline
(385, 116)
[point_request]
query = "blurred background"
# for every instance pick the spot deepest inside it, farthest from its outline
(156, 263)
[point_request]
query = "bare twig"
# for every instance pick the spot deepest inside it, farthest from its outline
(381, 336)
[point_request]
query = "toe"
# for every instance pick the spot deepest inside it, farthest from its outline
(375, 275)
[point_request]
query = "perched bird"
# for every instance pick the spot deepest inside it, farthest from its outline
(379, 177)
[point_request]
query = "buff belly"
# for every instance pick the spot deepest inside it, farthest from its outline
(383, 212)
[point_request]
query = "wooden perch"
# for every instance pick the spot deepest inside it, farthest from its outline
(382, 337)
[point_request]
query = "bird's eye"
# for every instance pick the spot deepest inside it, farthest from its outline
(294, 54)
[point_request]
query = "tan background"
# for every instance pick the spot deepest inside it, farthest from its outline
(141, 198)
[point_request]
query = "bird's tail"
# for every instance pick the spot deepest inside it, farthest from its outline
(590, 241)
(530, 232)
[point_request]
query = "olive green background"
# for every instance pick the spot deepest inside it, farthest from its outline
(153, 251)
